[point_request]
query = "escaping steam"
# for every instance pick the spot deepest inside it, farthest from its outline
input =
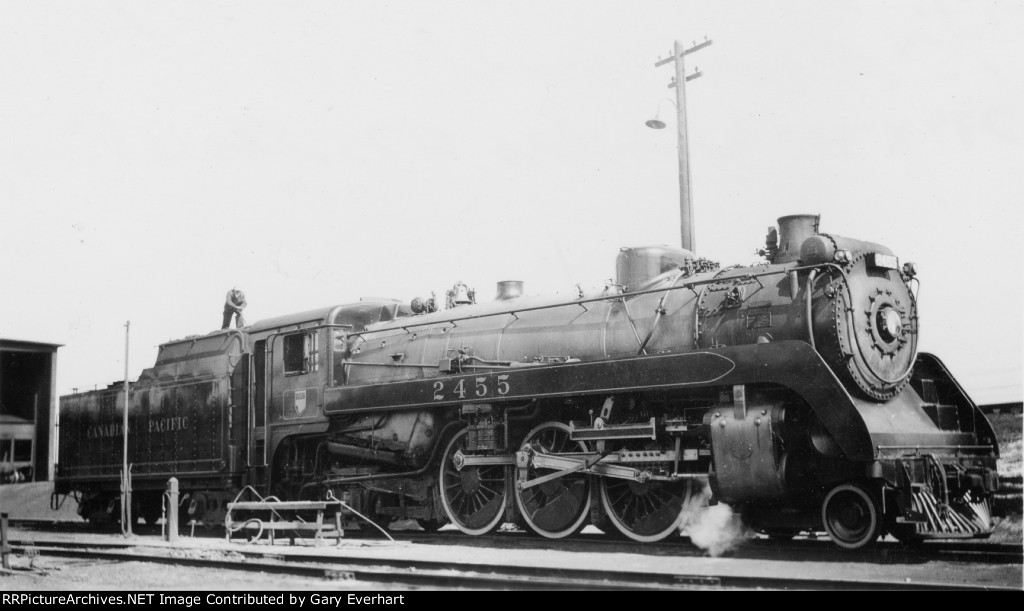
(716, 528)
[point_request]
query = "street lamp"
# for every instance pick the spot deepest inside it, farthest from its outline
(656, 122)
(685, 207)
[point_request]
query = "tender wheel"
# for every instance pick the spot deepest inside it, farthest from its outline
(644, 512)
(558, 507)
(100, 510)
(150, 510)
(474, 498)
(851, 516)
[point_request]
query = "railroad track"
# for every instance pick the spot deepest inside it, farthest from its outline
(447, 575)
(809, 548)
(967, 550)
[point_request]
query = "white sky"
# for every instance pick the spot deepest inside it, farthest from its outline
(153, 154)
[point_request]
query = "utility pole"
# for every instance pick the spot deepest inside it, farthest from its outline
(679, 82)
(126, 478)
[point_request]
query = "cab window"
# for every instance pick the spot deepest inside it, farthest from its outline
(300, 353)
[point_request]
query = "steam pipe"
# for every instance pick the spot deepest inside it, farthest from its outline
(809, 303)
(342, 449)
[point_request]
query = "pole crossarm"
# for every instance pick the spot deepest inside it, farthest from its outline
(671, 58)
(690, 77)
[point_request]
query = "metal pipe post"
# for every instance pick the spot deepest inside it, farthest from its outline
(172, 510)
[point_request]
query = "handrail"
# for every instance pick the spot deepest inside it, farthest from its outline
(580, 302)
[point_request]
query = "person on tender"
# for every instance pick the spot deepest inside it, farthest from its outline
(234, 303)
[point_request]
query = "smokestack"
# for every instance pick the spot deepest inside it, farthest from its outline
(793, 230)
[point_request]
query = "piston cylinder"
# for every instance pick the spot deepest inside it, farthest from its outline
(749, 464)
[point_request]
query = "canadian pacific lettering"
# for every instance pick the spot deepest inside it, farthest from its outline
(166, 425)
(156, 425)
(100, 431)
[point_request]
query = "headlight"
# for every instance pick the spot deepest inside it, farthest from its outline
(890, 324)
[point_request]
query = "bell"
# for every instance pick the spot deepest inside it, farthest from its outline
(461, 294)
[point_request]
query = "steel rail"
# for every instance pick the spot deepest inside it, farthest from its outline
(975, 550)
(970, 547)
(442, 575)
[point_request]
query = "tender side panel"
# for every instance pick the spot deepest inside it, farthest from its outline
(90, 434)
(176, 429)
(187, 418)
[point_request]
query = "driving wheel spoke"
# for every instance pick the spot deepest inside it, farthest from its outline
(559, 507)
(645, 512)
(473, 507)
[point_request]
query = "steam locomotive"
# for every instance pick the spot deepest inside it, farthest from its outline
(792, 390)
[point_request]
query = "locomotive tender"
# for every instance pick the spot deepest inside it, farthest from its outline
(792, 388)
